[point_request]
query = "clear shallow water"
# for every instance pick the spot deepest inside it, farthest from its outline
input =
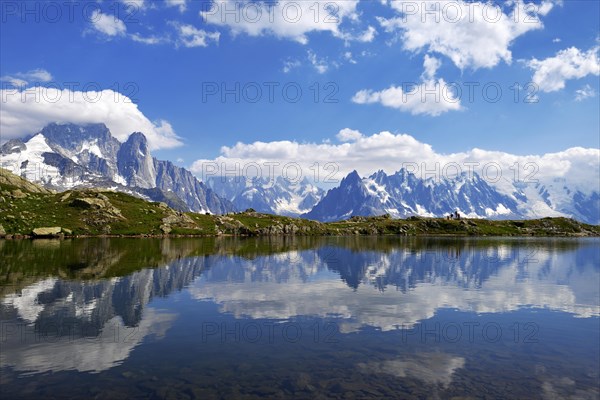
(307, 318)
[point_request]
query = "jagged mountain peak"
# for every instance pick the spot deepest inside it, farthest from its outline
(69, 135)
(89, 145)
(353, 174)
(379, 173)
(403, 194)
(138, 139)
(13, 146)
(353, 178)
(404, 175)
(66, 156)
(273, 195)
(95, 128)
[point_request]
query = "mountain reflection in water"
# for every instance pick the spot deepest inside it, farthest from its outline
(88, 306)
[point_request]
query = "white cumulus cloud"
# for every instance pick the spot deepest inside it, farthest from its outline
(150, 40)
(368, 35)
(431, 96)
(392, 151)
(138, 4)
(348, 135)
(23, 78)
(319, 64)
(472, 34)
(551, 73)
(290, 64)
(25, 111)
(181, 4)
(431, 65)
(288, 19)
(109, 25)
(585, 92)
(190, 36)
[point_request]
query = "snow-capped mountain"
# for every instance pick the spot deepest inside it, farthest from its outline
(404, 194)
(63, 157)
(559, 198)
(274, 196)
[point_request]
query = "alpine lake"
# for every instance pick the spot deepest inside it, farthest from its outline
(381, 317)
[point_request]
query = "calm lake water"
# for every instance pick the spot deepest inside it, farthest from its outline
(360, 317)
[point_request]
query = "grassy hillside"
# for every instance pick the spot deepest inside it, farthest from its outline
(25, 208)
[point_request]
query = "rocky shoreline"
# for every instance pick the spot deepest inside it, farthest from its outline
(29, 211)
(371, 226)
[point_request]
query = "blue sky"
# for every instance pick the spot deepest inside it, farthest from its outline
(166, 55)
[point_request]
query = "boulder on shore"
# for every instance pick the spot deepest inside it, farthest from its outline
(18, 194)
(47, 231)
(88, 202)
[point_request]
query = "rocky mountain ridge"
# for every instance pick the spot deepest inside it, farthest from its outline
(68, 156)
